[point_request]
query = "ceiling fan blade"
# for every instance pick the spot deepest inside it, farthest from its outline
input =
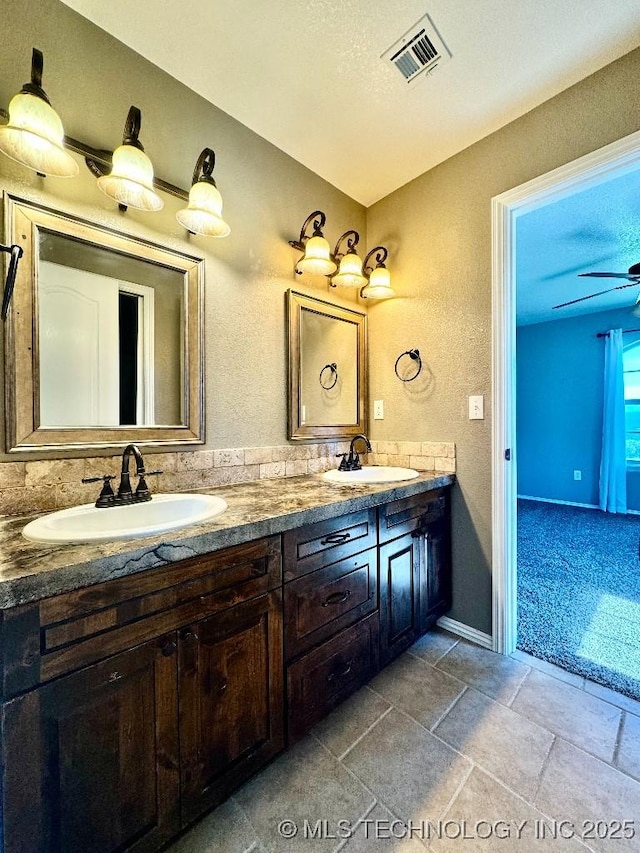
(606, 275)
(592, 295)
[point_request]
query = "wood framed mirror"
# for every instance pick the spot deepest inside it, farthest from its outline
(104, 337)
(327, 369)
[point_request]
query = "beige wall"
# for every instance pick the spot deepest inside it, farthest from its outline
(92, 80)
(438, 228)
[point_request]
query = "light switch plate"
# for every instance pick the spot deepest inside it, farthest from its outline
(378, 410)
(476, 408)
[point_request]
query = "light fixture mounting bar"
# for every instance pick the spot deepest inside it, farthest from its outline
(103, 159)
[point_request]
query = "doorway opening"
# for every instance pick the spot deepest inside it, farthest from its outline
(509, 211)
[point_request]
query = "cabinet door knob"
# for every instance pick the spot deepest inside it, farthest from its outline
(336, 598)
(169, 648)
(190, 637)
(222, 686)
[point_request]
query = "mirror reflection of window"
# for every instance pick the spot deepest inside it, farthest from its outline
(328, 340)
(110, 337)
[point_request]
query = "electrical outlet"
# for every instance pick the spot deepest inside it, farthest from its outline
(476, 408)
(577, 475)
(378, 410)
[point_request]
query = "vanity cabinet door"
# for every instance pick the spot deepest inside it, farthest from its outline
(90, 761)
(231, 700)
(435, 572)
(399, 596)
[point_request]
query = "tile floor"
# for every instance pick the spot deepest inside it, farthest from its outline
(451, 748)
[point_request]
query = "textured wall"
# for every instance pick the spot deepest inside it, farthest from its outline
(92, 80)
(438, 229)
(560, 379)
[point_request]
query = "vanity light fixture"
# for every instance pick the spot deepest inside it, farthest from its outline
(34, 135)
(130, 181)
(317, 258)
(203, 215)
(379, 284)
(350, 271)
(373, 279)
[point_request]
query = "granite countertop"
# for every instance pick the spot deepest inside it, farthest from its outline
(30, 571)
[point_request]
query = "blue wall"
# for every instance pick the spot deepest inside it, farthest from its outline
(559, 377)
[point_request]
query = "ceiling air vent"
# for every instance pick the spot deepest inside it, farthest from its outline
(418, 52)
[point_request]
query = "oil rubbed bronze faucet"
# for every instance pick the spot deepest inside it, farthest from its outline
(125, 495)
(352, 462)
(142, 493)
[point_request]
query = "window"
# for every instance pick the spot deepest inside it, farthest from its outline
(631, 366)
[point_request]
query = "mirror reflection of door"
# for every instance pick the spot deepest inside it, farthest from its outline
(96, 340)
(326, 340)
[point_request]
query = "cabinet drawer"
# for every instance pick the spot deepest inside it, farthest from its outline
(406, 515)
(324, 602)
(316, 545)
(324, 677)
(68, 631)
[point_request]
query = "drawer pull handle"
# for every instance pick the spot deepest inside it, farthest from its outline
(343, 672)
(337, 598)
(335, 538)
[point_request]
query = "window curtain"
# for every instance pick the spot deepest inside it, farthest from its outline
(613, 465)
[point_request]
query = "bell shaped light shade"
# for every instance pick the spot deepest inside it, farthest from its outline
(34, 135)
(317, 257)
(349, 272)
(203, 215)
(130, 181)
(379, 284)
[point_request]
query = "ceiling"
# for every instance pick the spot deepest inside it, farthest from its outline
(308, 76)
(595, 230)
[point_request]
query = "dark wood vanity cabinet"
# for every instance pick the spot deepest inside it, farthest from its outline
(358, 591)
(399, 596)
(330, 614)
(133, 706)
(231, 700)
(415, 569)
(153, 697)
(91, 760)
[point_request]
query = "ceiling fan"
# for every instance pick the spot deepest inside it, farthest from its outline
(632, 276)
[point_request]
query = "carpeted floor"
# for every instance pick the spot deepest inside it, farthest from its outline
(579, 591)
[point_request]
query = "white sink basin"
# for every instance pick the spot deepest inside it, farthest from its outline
(371, 474)
(87, 524)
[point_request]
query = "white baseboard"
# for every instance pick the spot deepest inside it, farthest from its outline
(466, 631)
(569, 503)
(556, 501)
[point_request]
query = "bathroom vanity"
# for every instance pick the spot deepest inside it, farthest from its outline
(135, 698)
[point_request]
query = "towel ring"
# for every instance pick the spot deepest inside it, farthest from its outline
(413, 354)
(334, 374)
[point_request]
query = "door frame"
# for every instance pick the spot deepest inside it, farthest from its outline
(613, 160)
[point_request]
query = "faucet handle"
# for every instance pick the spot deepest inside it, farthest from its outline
(142, 490)
(343, 466)
(106, 496)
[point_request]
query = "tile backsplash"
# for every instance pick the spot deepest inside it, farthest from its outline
(42, 486)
